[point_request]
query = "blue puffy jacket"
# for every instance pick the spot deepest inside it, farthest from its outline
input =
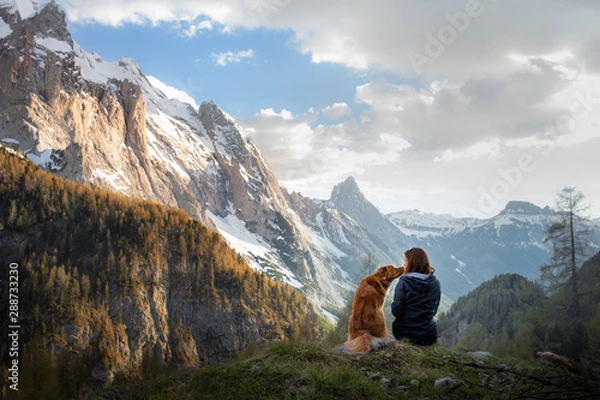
(416, 301)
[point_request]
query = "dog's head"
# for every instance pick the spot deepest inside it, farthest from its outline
(388, 273)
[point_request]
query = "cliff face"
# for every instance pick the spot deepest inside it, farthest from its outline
(80, 129)
(105, 124)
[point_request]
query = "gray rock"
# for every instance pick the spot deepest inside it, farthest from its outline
(378, 343)
(482, 355)
(445, 383)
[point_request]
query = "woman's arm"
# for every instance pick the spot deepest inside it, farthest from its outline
(398, 305)
(438, 293)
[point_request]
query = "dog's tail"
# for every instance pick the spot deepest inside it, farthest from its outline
(360, 344)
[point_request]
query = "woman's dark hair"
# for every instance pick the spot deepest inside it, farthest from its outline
(417, 260)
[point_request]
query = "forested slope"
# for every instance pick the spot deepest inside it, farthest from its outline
(110, 281)
(510, 315)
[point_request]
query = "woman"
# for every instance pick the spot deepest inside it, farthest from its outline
(416, 300)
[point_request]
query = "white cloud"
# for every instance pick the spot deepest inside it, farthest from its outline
(196, 27)
(476, 130)
(283, 114)
(462, 39)
(310, 157)
(229, 57)
(487, 149)
(532, 93)
(331, 45)
(337, 111)
(230, 15)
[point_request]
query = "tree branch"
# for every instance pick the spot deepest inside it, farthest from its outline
(504, 368)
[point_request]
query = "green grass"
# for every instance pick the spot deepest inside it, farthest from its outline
(303, 370)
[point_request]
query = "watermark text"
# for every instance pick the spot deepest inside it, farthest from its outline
(14, 328)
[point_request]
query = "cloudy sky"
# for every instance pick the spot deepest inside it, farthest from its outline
(443, 106)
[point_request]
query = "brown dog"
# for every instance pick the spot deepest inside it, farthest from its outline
(367, 320)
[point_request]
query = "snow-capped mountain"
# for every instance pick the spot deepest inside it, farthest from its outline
(347, 198)
(469, 251)
(422, 225)
(350, 229)
(107, 124)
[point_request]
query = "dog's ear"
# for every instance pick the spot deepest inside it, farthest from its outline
(383, 271)
(394, 272)
(387, 273)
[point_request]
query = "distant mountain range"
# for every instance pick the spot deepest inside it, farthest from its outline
(469, 251)
(109, 125)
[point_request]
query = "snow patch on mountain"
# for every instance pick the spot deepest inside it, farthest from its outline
(171, 143)
(95, 69)
(508, 220)
(5, 29)
(247, 243)
(421, 225)
(171, 92)
(159, 97)
(54, 45)
(461, 266)
(10, 141)
(326, 244)
(45, 159)
(25, 8)
(118, 181)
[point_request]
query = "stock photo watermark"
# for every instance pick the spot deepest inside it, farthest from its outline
(14, 328)
(436, 44)
(511, 177)
(270, 7)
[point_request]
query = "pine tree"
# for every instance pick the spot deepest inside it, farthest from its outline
(570, 236)
(368, 266)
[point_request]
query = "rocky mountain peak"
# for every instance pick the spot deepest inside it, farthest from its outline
(48, 21)
(524, 208)
(107, 124)
(347, 193)
(347, 198)
(20, 9)
(227, 137)
(210, 107)
(213, 115)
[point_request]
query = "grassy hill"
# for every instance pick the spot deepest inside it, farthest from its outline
(307, 370)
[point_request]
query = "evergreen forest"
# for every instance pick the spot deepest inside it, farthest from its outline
(512, 316)
(110, 286)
